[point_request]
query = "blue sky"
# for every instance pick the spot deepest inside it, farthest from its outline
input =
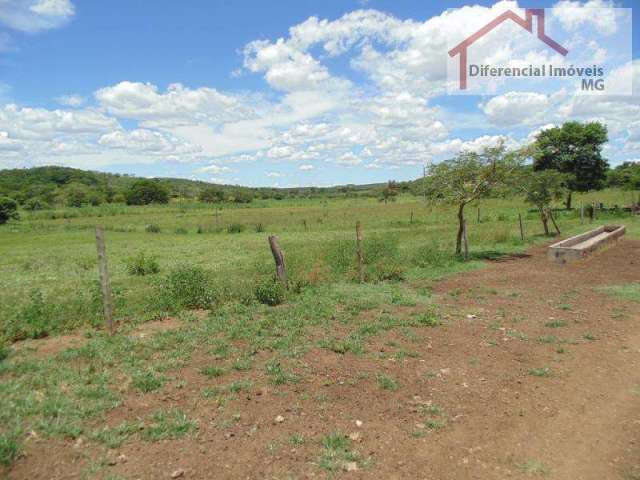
(282, 93)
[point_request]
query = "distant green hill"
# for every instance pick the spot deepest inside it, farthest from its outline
(45, 187)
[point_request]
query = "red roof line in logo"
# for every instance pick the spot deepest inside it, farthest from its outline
(526, 23)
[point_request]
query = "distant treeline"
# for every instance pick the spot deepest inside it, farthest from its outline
(52, 186)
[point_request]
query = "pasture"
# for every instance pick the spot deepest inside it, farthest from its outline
(330, 377)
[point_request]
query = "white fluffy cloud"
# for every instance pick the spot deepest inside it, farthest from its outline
(380, 112)
(35, 15)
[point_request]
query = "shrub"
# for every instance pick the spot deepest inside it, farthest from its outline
(33, 320)
(144, 192)
(152, 228)
(259, 228)
(34, 204)
(142, 265)
(235, 228)
(181, 231)
(432, 256)
(186, 287)
(8, 210)
(270, 291)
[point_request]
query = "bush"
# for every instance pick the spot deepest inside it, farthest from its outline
(144, 192)
(34, 204)
(33, 320)
(432, 256)
(186, 287)
(381, 258)
(235, 228)
(152, 228)
(181, 231)
(8, 210)
(270, 291)
(259, 228)
(142, 265)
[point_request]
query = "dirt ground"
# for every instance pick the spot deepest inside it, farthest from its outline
(580, 419)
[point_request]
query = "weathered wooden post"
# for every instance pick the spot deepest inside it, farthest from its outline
(411, 219)
(104, 279)
(464, 239)
(521, 227)
(581, 213)
(593, 209)
(478, 214)
(278, 257)
(360, 252)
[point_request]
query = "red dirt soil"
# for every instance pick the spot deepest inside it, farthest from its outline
(581, 422)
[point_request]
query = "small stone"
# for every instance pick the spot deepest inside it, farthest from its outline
(122, 458)
(177, 473)
(279, 419)
(358, 423)
(355, 436)
(350, 466)
(471, 316)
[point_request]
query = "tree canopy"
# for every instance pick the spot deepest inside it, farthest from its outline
(144, 192)
(575, 149)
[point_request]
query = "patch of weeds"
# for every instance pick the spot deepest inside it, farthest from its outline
(116, 436)
(185, 287)
(534, 467)
(9, 446)
(270, 291)
(401, 354)
(142, 264)
(147, 381)
(386, 382)
(337, 452)
(212, 372)
(556, 324)
(239, 386)
(519, 335)
(242, 364)
(236, 228)
(564, 306)
(428, 319)
(277, 375)
(296, 439)
(629, 291)
(168, 424)
(152, 228)
(561, 350)
(589, 336)
(540, 372)
(352, 343)
(548, 339)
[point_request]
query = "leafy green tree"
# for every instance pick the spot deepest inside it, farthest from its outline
(211, 195)
(144, 192)
(576, 149)
(471, 176)
(242, 196)
(8, 210)
(390, 192)
(541, 189)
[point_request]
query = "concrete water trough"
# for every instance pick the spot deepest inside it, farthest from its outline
(584, 244)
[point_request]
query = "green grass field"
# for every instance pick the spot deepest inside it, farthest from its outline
(222, 263)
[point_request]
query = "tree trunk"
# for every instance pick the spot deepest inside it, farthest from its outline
(545, 221)
(568, 201)
(460, 229)
(554, 222)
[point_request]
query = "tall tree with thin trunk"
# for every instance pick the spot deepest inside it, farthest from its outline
(471, 176)
(541, 189)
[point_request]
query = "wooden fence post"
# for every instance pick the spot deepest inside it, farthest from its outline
(521, 227)
(464, 239)
(104, 280)
(581, 213)
(278, 257)
(411, 220)
(478, 214)
(360, 252)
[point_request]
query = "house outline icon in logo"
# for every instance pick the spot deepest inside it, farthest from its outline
(526, 23)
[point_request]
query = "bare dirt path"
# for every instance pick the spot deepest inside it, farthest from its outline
(535, 372)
